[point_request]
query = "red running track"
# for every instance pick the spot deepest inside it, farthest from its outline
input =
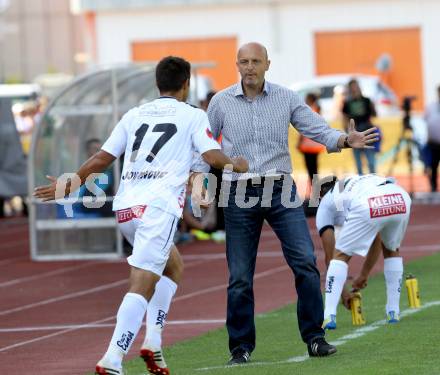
(57, 317)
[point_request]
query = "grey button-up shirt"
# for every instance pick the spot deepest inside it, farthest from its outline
(258, 129)
(432, 118)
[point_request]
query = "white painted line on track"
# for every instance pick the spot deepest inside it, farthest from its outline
(433, 247)
(47, 274)
(278, 253)
(65, 297)
(215, 256)
(341, 341)
(36, 339)
(106, 325)
(223, 287)
(179, 298)
(6, 245)
(12, 260)
(74, 294)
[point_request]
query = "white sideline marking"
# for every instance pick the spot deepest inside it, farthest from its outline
(106, 325)
(180, 298)
(341, 341)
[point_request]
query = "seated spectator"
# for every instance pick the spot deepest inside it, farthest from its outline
(13, 170)
(204, 103)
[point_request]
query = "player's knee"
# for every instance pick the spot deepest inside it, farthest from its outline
(174, 267)
(178, 270)
(339, 255)
(389, 253)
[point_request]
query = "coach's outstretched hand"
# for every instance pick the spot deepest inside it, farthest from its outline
(363, 139)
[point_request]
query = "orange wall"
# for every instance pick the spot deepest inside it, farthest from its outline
(357, 52)
(221, 51)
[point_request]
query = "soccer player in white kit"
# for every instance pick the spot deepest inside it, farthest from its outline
(158, 139)
(373, 212)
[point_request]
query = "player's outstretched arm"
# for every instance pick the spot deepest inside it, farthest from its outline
(95, 164)
(217, 159)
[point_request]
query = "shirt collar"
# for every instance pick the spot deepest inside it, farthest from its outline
(239, 89)
(166, 97)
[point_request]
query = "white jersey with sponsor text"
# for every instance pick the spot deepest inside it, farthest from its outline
(334, 206)
(159, 139)
(365, 205)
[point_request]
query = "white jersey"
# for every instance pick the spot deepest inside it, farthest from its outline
(327, 215)
(334, 206)
(363, 206)
(159, 140)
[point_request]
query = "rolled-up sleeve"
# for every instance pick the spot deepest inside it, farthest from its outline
(313, 126)
(199, 164)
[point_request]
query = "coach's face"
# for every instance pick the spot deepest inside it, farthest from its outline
(252, 63)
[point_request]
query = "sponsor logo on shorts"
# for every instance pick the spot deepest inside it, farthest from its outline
(129, 213)
(181, 198)
(161, 316)
(329, 286)
(125, 340)
(386, 205)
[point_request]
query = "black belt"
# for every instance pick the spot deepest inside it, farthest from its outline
(262, 179)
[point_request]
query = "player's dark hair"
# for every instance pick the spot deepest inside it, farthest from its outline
(327, 186)
(171, 73)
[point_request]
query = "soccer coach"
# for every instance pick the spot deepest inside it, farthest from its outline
(254, 116)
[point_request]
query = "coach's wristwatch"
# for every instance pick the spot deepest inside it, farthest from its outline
(346, 144)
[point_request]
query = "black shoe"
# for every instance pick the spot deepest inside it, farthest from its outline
(238, 357)
(318, 347)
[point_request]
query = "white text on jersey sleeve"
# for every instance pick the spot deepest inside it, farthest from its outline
(117, 141)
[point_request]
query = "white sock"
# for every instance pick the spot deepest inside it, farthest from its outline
(334, 282)
(393, 272)
(157, 311)
(128, 322)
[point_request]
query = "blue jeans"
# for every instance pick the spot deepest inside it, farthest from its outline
(370, 154)
(243, 229)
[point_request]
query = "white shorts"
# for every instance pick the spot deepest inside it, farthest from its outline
(384, 210)
(150, 231)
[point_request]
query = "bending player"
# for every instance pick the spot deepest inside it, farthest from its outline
(158, 139)
(373, 212)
